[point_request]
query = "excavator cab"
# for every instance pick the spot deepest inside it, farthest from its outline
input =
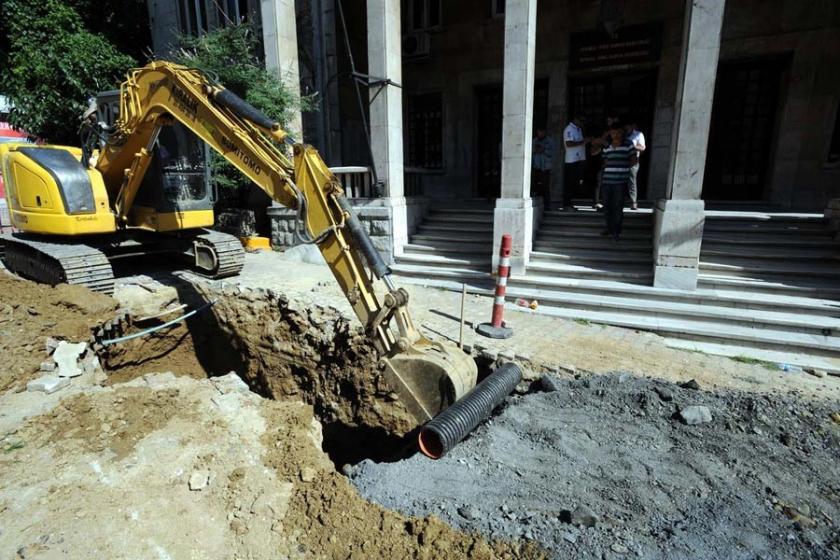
(176, 186)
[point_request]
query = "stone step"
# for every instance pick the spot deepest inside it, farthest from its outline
(728, 298)
(581, 233)
(471, 262)
(594, 217)
(716, 251)
(456, 229)
(451, 237)
(808, 228)
(771, 270)
(447, 247)
(483, 211)
(556, 243)
(768, 240)
(556, 223)
(426, 273)
(593, 256)
(469, 219)
(765, 217)
(793, 320)
(716, 331)
(623, 273)
(767, 286)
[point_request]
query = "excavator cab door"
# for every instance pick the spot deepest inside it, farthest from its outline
(175, 193)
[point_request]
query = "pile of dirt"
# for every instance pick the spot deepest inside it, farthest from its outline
(606, 466)
(30, 312)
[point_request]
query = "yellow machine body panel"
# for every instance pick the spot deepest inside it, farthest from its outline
(50, 192)
(150, 219)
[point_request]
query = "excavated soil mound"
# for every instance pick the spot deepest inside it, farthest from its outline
(602, 468)
(290, 349)
(31, 312)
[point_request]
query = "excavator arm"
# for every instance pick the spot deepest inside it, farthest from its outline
(428, 376)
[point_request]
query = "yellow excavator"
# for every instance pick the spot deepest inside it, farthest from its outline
(76, 208)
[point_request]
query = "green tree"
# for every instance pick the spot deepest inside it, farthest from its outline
(232, 55)
(51, 65)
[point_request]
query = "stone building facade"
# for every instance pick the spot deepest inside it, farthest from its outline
(738, 100)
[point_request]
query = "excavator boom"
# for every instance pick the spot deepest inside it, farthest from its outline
(427, 375)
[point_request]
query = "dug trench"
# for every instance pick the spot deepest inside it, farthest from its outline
(284, 350)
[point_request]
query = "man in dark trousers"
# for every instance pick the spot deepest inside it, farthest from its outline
(575, 143)
(619, 156)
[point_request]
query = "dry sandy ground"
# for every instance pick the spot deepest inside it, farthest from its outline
(168, 467)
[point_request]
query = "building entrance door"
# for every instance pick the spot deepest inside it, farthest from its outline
(489, 133)
(742, 129)
(628, 95)
(489, 141)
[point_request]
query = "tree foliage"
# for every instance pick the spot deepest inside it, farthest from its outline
(52, 65)
(232, 55)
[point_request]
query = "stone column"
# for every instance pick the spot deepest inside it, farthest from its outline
(678, 220)
(514, 212)
(386, 113)
(281, 50)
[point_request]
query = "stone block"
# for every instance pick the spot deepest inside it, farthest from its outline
(48, 384)
(380, 227)
(514, 216)
(677, 237)
(66, 357)
(230, 383)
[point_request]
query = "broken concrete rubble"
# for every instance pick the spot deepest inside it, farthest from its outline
(48, 384)
(66, 358)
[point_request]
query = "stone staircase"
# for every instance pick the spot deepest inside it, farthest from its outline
(570, 245)
(454, 242)
(769, 284)
(770, 253)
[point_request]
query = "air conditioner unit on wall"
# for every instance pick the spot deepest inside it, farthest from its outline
(416, 45)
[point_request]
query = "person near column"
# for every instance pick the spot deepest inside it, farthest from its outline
(635, 136)
(575, 144)
(619, 156)
(544, 149)
(595, 148)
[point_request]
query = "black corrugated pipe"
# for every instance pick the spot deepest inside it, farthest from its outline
(444, 431)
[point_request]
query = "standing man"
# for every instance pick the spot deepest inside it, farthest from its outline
(544, 148)
(635, 136)
(575, 145)
(619, 156)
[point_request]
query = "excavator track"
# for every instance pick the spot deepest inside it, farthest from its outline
(228, 250)
(57, 263)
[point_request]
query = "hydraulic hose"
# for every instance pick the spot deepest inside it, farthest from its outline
(363, 240)
(444, 431)
(244, 109)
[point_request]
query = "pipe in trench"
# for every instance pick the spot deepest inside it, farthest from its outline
(444, 431)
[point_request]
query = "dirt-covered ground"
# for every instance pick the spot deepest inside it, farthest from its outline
(169, 456)
(166, 466)
(604, 467)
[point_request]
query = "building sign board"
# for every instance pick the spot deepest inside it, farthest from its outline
(630, 45)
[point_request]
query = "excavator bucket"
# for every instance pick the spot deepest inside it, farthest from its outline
(430, 376)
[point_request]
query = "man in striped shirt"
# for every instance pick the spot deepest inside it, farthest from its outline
(618, 157)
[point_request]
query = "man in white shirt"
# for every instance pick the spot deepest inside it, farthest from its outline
(575, 144)
(635, 136)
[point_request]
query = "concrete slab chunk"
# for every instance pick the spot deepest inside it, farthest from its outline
(48, 384)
